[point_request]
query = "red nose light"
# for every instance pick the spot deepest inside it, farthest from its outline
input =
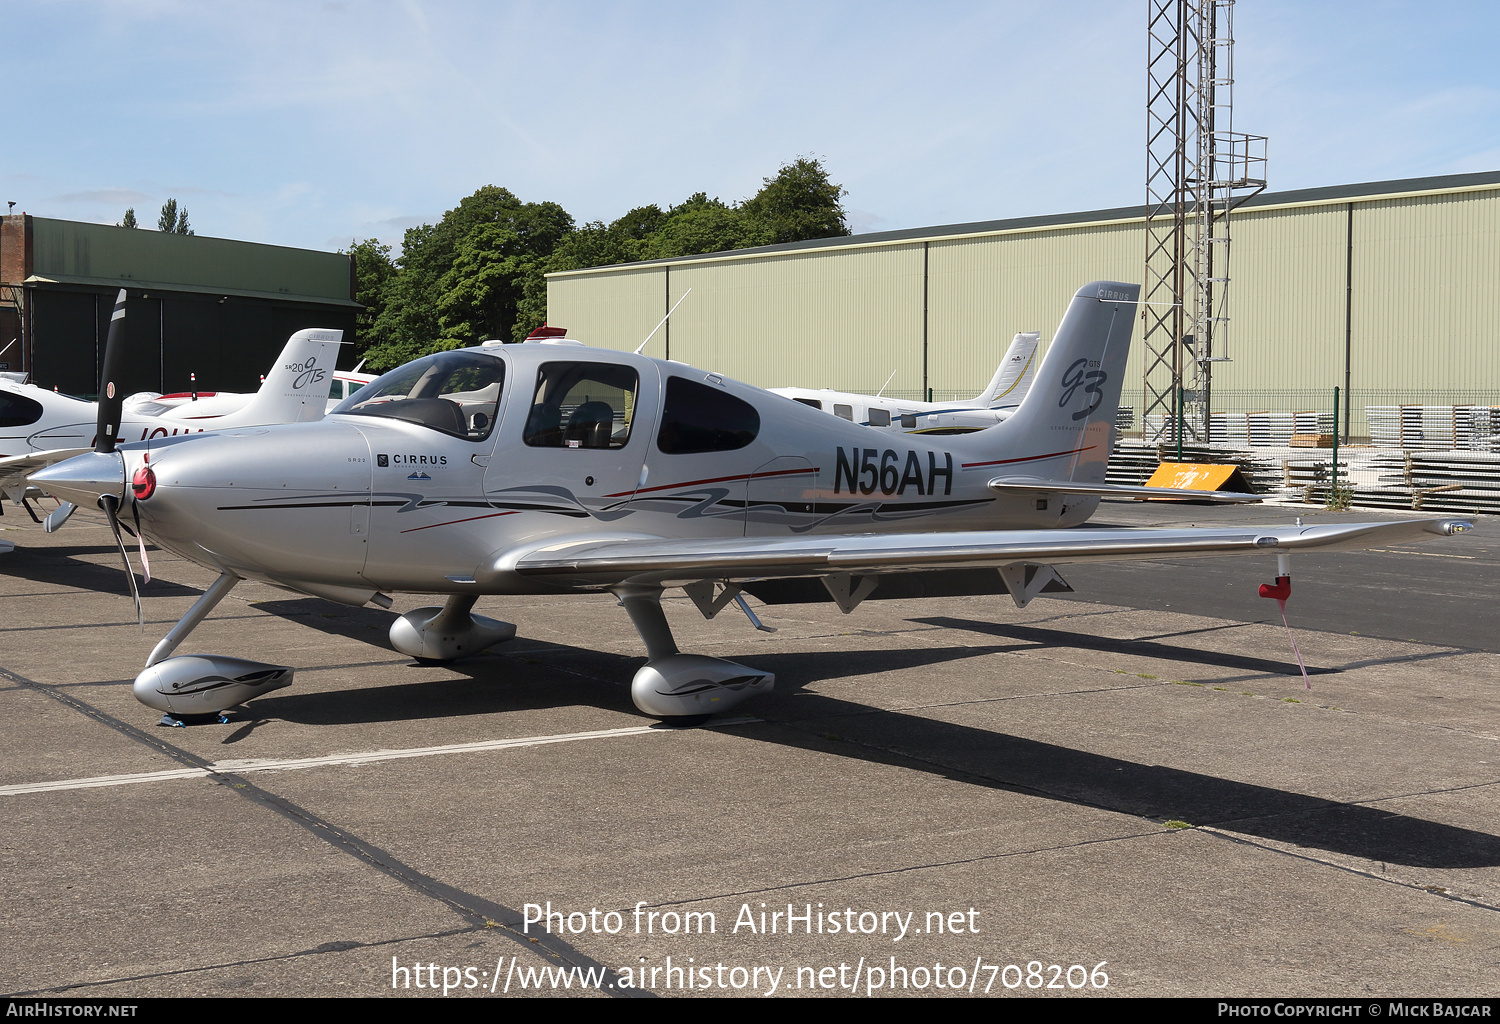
(143, 484)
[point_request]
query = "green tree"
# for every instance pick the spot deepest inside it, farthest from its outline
(129, 221)
(373, 271)
(699, 225)
(462, 279)
(173, 220)
(640, 223)
(797, 204)
(481, 271)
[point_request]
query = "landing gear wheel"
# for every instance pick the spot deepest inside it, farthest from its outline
(683, 721)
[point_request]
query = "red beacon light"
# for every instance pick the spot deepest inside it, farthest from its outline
(143, 483)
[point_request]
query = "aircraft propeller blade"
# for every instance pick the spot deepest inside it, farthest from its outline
(111, 394)
(110, 504)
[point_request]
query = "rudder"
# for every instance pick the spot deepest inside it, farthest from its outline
(296, 389)
(1070, 408)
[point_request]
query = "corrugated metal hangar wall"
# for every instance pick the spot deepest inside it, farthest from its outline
(1396, 283)
(215, 307)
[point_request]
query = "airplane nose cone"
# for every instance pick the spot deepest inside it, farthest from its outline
(83, 479)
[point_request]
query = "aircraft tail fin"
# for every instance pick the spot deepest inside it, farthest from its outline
(296, 389)
(1065, 426)
(1015, 373)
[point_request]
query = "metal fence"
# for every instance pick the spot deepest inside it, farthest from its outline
(1446, 419)
(1419, 450)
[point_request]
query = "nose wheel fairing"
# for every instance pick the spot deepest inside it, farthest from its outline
(203, 684)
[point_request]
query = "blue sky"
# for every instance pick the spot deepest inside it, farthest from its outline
(311, 124)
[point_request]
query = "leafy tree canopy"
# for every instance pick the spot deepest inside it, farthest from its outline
(373, 272)
(480, 271)
(798, 203)
(173, 220)
(460, 281)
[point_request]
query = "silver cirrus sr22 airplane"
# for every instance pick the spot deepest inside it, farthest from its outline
(552, 467)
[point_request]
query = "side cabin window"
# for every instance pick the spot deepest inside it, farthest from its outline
(581, 405)
(813, 402)
(880, 417)
(453, 392)
(18, 410)
(697, 418)
(844, 412)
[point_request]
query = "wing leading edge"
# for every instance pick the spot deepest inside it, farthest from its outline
(604, 562)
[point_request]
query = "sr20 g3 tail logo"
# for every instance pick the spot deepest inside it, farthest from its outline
(1077, 376)
(307, 373)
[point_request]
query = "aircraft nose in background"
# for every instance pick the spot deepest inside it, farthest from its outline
(84, 478)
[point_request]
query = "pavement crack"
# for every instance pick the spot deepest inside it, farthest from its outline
(1431, 890)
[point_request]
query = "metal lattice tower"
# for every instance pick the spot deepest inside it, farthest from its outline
(1198, 169)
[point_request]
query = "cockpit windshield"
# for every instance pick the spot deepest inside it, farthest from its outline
(454, 392)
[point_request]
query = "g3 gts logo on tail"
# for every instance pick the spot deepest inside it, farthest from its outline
(307, 373)
(1077, 376)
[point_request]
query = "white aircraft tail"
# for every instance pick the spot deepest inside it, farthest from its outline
(296, 389)
(1065, 427)
(1015, 373)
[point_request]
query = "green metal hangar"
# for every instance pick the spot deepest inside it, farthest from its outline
(1390, 288)
(213, 307)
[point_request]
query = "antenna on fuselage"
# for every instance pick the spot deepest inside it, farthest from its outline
(663, 320)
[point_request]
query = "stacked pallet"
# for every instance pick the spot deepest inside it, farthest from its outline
(1229, 428)
(1275, 429)
(1436, 482)
(1417, 481)
(1434, 427)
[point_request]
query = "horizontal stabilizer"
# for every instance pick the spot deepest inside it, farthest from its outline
(1035, 485)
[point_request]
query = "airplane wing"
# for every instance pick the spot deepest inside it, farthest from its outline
(606, 562)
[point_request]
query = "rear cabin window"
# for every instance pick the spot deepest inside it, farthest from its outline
(582, 405)
(18, 411)
(880, 417)
(697, 418)
(844, 412)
